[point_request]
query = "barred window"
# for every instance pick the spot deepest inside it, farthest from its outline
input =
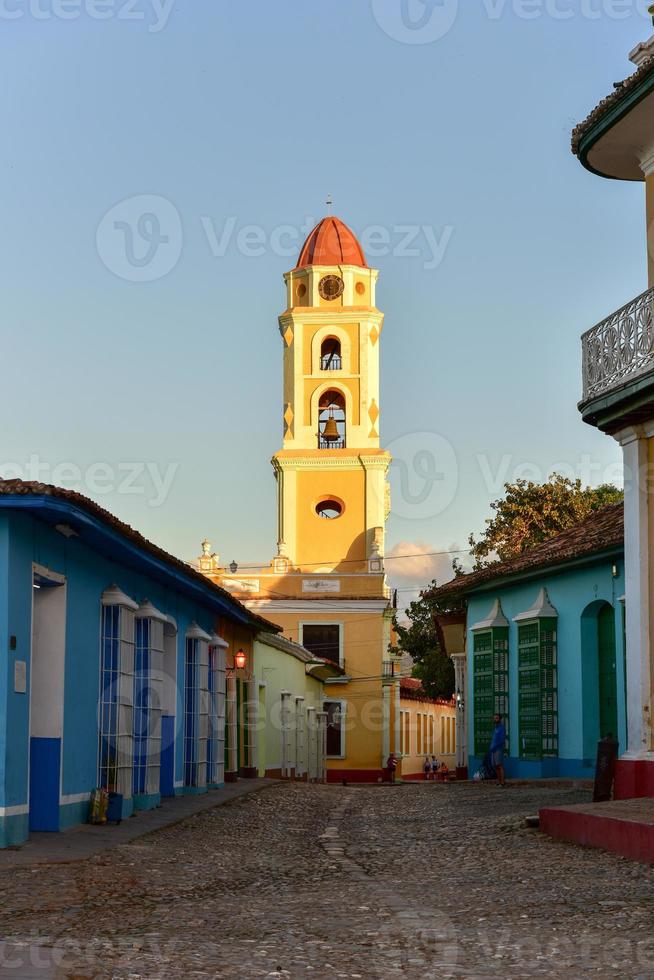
(196, 707)
(537, 689)
(115, 743)
(335, 728)
(216, 736)
(148, 692)
(491, 683)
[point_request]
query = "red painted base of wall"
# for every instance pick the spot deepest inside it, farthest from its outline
(356, 775)
(626, 837)
(633, 778)
(248, 772)
(231, 777)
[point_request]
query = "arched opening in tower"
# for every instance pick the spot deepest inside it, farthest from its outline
(330, 354)
(331, 421)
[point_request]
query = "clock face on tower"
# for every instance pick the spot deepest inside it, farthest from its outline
(331, 287)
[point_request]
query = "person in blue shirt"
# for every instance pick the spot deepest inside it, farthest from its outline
(497, 748)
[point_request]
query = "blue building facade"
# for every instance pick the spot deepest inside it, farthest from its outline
(115, 665)
(545, 648)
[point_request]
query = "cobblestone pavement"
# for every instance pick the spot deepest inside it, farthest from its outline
(325, 881)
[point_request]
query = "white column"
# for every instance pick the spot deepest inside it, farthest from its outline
(638, 597)
(461, 680)
(300, 753)
(232, 754)
(312, 736)
(322, 746)
(386, 723)
(398, 721)
(253, 723)
(286, 734)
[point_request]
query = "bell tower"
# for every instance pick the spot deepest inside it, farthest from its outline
(331, 473)
(326, 588)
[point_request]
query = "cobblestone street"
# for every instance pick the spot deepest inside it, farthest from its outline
(316, 881)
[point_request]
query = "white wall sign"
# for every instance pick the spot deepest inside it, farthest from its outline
(321, 585)
(241, 585)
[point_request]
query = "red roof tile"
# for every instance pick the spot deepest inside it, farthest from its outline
(331, 243)
(603, 530)
(621, 89)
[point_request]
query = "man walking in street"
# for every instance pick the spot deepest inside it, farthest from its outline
(497, 748)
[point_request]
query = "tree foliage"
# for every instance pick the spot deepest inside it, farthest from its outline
(530, 513)
(419, 639)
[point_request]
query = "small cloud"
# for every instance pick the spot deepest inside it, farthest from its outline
(413, 565)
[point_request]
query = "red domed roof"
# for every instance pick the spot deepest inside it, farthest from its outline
(331, 243)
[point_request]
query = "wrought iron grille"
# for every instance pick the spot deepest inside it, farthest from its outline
(324, 444)
(331, 362)
(619, 348)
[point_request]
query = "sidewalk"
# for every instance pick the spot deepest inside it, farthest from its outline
(625, 827)
(87, 840)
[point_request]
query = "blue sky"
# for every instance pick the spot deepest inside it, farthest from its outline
(162, 395)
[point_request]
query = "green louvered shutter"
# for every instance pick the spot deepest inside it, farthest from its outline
(537, 689)
(491, 683)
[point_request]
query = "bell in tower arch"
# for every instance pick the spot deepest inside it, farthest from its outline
(331, 426)
(330, 433)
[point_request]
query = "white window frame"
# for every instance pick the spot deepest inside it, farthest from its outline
(343, 706)
(195, 754)
(326, 622)
(217, 698)
(154, 688)
(123, 733)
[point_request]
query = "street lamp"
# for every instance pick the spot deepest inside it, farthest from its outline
(233, 567)
(240, 660)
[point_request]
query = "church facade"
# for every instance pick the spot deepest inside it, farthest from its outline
(326, 586)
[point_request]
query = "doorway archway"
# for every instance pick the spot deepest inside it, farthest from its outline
(599, 676)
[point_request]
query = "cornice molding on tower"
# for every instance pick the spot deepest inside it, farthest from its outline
(319, 314)
(378, 461)
(318, 270)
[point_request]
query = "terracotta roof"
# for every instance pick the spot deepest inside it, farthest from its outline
(411, 688)
(331, 243)
(21, 488)
(621, 89)
(602, 531)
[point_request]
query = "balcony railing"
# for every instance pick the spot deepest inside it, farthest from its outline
(331, 362)
(619, 348)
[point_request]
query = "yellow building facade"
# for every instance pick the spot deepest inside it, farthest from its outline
(326, 587)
